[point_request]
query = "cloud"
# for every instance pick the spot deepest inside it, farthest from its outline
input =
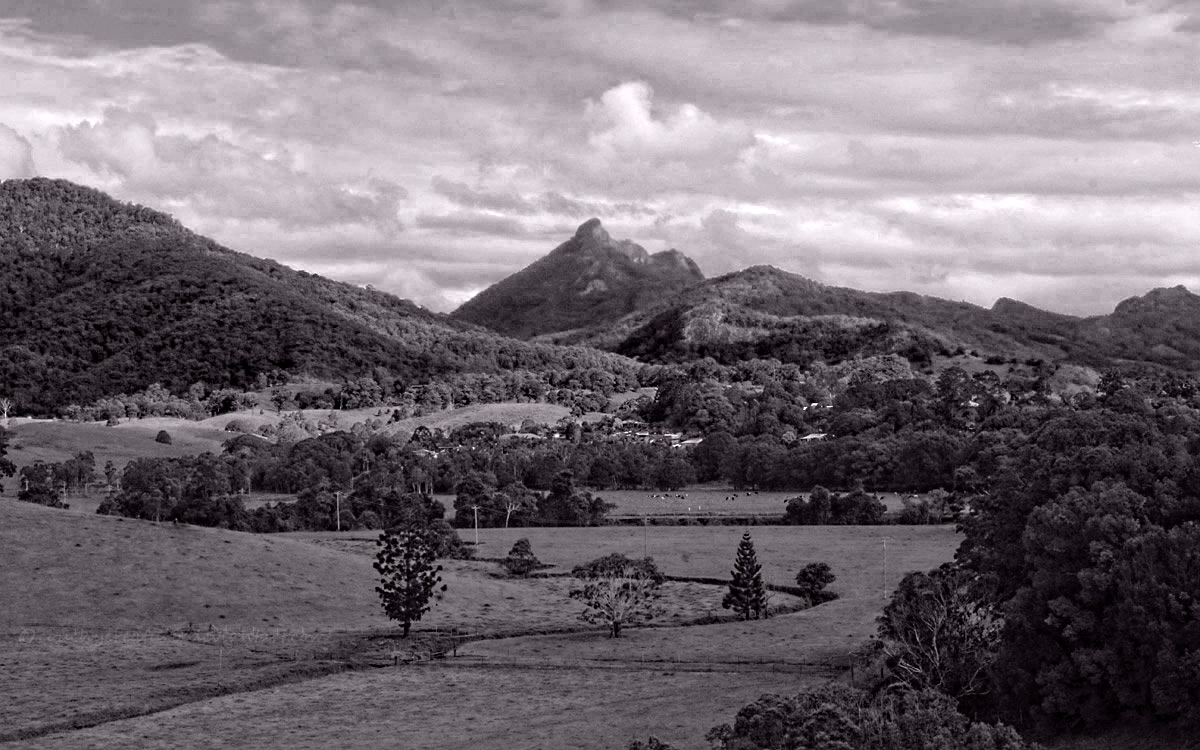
(722, 240)
(628, 128)
(431, 149)
(1020, 22)
(463, 195)
(472, 223)
(217, 176)
(16, 155)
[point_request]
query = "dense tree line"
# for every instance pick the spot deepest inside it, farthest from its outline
(7, 467)
(1073, 601)
(839, 716)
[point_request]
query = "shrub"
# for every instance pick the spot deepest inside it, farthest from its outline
(839, 716)
(163, 437)
(521, 560)
(812, 580)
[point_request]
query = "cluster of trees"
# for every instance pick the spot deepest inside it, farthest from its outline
(585, 389)
(51, 483)
(438, 462)
(801, 341)
(833, 715)
(198, 402)
(1072, 602)
(825, 507)
(7, 467)
(477, 503)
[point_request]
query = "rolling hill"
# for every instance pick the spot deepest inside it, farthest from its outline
(589, 280)
(765, 312)
(99, 297)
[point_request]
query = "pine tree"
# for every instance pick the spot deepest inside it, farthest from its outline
(408, 576)
(747, 593)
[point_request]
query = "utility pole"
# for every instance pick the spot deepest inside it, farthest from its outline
(885, 589)
(476, 509)
(338, 509)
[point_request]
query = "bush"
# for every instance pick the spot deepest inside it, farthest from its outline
(163, 437)
(521, 560)
(239, 425)
(839, 716)
(812, 580)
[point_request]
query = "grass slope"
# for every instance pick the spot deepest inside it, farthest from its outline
(66, 570)
(446, 708)
(578, 691)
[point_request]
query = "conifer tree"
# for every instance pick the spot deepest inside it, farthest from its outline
(747, 593)
(408, 576)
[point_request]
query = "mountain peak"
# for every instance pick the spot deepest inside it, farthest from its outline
(592, 230)
(590, 279)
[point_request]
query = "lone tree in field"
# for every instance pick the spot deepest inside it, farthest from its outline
(408, 574)
(521, 560)
(747, 593)
(618, 591)
(812, 580)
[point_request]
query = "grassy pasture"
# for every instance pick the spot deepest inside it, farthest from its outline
(854, 552)
(55, 441)
(819, 636)
(97, 610)
(94, 607)
(445, 707)
(711, 501)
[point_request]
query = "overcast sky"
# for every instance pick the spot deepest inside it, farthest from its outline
(1047, 150)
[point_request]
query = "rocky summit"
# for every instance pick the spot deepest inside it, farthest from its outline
(589, 280)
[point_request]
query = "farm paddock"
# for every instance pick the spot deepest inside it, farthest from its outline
(282, 655)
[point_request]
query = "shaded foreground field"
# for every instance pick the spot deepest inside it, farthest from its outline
(440, 707)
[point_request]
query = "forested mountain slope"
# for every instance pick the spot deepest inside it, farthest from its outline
(765, 312)
(99, 297)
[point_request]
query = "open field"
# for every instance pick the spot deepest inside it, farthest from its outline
(54, 441)
(94, 629)
(821, 636)
(854, 552)
(443, 707)
(711, 501)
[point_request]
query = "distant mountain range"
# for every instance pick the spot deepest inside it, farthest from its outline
(589, 280)
(99, 297)
(765, 312)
